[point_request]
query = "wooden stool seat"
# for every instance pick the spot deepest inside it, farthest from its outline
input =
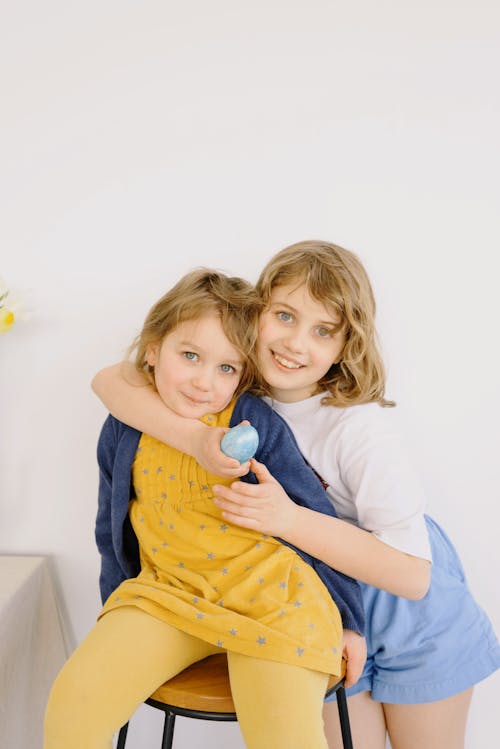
(205, 686)
(202, 686)
(203, 691)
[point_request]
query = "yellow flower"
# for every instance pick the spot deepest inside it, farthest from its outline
(6, 319)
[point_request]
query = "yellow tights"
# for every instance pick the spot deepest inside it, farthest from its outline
(129, 653)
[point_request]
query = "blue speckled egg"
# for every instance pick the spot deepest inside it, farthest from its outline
(240, 442)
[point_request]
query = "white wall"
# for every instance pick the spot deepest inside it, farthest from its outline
(142, 139)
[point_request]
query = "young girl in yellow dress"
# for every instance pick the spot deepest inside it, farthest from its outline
(178, 582)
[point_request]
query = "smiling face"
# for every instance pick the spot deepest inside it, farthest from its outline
(299, 340)
(196, 368)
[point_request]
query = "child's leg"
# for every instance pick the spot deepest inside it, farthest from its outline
(435, 725)
(367, 721)
(125, 657)
(278, 705)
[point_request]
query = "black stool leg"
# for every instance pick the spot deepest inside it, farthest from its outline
(122, 737)
(345, 726)
(168, 730)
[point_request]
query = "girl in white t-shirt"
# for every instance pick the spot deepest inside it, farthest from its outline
(428, 641)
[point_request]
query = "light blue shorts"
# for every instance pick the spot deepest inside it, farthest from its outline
(427, 650)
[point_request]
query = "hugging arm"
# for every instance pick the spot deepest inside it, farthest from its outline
(267, 507)
(131, 398)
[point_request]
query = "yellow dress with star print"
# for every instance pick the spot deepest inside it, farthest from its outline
(230, 586)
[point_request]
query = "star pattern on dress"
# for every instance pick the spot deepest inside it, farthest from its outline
(156, 506)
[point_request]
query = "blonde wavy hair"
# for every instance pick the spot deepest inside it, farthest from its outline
(200, 293)
(336, 278)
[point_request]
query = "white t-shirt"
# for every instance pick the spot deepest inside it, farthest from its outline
(371, 482)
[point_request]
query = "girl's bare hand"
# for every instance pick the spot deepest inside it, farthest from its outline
(264, 507)
(206, 451)
(354, 653)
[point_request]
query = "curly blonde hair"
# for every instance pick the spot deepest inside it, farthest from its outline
(199, 293)
(336, 278)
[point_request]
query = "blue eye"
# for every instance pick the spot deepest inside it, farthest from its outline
(284, 316)
(190, 355)
(227, 368)
(324, 332)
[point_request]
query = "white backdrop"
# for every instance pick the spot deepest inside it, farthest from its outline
(141, 139)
